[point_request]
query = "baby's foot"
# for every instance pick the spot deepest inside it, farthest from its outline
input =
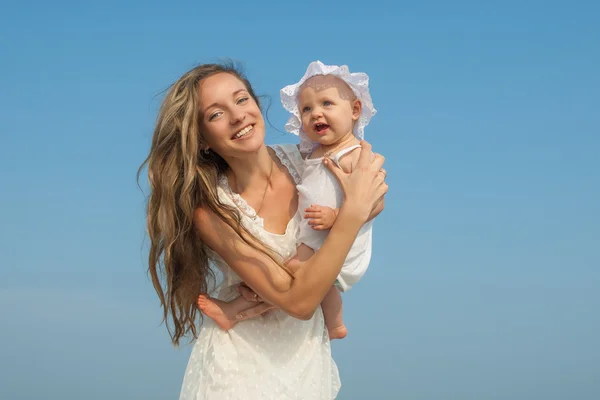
(217, 311)
(338, 332)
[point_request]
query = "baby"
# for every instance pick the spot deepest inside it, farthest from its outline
(330, 108)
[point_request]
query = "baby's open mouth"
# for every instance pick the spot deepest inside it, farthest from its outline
(321, 128)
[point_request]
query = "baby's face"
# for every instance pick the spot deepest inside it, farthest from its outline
(328, 109)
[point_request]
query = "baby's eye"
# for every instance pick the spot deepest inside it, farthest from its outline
(242, 100)
(327, 103)
(306, 109)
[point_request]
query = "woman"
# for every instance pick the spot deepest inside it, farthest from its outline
(219, 193)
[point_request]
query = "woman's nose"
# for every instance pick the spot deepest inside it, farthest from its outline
(237, 117)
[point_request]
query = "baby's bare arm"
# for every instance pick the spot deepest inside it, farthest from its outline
(321, 218)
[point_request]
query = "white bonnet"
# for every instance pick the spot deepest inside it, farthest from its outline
(358, 82)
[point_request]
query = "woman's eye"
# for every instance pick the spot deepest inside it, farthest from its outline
(214, 115)
(242, 100)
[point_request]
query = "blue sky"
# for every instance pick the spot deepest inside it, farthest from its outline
(485, 275)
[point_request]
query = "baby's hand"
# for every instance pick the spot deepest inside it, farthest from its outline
(321, 217)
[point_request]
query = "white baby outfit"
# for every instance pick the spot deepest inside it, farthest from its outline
(318, 186)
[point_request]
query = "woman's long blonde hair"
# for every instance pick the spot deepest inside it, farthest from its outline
(182, 178)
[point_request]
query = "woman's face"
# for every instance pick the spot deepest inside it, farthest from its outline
(231, 121)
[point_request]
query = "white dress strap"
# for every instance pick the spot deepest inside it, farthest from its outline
(336, 157)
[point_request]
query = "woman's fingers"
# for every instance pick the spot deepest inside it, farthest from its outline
(377, 162)
(365, 185)
(365, 154)
(248, 293)
(379, 178)
(337, 172)
(381, 191)
(255, 311)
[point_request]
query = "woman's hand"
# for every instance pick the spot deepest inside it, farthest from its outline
(365, 186)
(261, 307)
(248, 293)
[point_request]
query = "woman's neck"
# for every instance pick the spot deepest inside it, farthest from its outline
(254, 170)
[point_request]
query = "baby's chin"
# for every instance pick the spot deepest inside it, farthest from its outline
(325, 140)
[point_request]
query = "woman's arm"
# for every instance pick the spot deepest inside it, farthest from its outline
(300, 296)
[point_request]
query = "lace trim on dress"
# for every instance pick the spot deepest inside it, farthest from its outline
(239, 201)
(284, 158)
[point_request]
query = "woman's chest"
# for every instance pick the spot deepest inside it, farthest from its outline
(279, 207)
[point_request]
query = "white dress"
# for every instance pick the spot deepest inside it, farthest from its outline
(319, 186)
(272, 357)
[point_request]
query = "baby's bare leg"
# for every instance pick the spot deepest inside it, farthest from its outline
(331, 304)
(332, 311)
(303, 253)
(222, 312)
